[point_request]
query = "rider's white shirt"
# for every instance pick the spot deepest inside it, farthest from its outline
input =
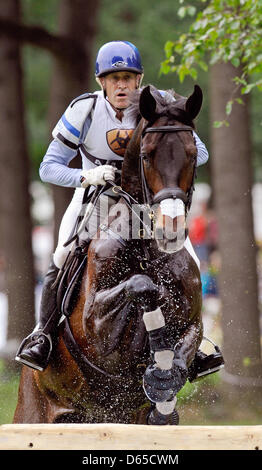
(80, 124)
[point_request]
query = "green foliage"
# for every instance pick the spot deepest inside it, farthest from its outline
(225, 30)
(9, 383)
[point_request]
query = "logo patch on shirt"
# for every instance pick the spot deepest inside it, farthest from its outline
(118, 140)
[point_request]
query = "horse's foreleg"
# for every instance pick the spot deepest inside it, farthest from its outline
(31, 406)
(138, 288)
(113, 310)
(169, 370)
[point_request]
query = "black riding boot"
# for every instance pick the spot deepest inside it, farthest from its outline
(204, 364)
(36, 348)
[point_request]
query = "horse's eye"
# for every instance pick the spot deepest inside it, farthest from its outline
(146, 160)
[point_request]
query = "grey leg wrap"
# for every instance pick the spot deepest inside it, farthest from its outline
(161, 380)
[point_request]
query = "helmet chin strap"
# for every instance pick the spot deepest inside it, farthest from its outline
(140, 80)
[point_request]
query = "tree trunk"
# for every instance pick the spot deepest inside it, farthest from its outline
(232, 184)
(16, 225)
(71, 78)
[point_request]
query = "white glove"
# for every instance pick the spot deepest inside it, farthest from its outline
(98, 175)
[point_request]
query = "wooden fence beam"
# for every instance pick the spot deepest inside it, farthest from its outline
(128, 437)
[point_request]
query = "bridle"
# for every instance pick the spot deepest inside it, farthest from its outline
(172, 192)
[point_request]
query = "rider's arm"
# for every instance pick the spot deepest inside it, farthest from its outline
(54, 167)
(69, 133)
(202, 153)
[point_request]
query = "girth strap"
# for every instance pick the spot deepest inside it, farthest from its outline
(83, 363)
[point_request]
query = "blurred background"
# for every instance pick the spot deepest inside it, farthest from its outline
(47, 52)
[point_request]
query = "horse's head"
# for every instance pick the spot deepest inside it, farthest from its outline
(167, 162)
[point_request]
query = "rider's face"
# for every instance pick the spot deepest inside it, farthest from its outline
(118, 85)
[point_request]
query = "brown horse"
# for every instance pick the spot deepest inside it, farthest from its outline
(126, 277)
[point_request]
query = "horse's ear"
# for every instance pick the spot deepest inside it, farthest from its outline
(194, 102)
(147, 104)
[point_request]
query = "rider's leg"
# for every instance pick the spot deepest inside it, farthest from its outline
(205, 364)
(67, 224)
(36, 348)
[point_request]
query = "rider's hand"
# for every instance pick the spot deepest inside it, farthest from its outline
(98, 175)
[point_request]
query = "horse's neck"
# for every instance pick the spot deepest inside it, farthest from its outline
(130, 180)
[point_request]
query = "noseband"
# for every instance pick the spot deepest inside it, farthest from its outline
(166, 193)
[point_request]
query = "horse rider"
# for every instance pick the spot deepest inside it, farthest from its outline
(99, 125)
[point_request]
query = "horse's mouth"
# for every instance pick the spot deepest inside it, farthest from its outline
(169, 230)
(169, 243)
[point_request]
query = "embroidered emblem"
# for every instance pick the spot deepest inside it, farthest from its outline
(120, 63)
(118, 140)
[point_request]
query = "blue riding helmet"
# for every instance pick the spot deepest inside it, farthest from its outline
(117, 56)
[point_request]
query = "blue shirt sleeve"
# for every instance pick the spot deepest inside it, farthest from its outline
(54, 167)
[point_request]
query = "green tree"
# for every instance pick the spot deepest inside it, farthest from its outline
(227, 31)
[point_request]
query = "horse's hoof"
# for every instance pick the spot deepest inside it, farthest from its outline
(157, 419)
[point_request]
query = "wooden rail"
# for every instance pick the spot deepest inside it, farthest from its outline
(128, 437)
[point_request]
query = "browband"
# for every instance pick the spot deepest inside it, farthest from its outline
(167, 129)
